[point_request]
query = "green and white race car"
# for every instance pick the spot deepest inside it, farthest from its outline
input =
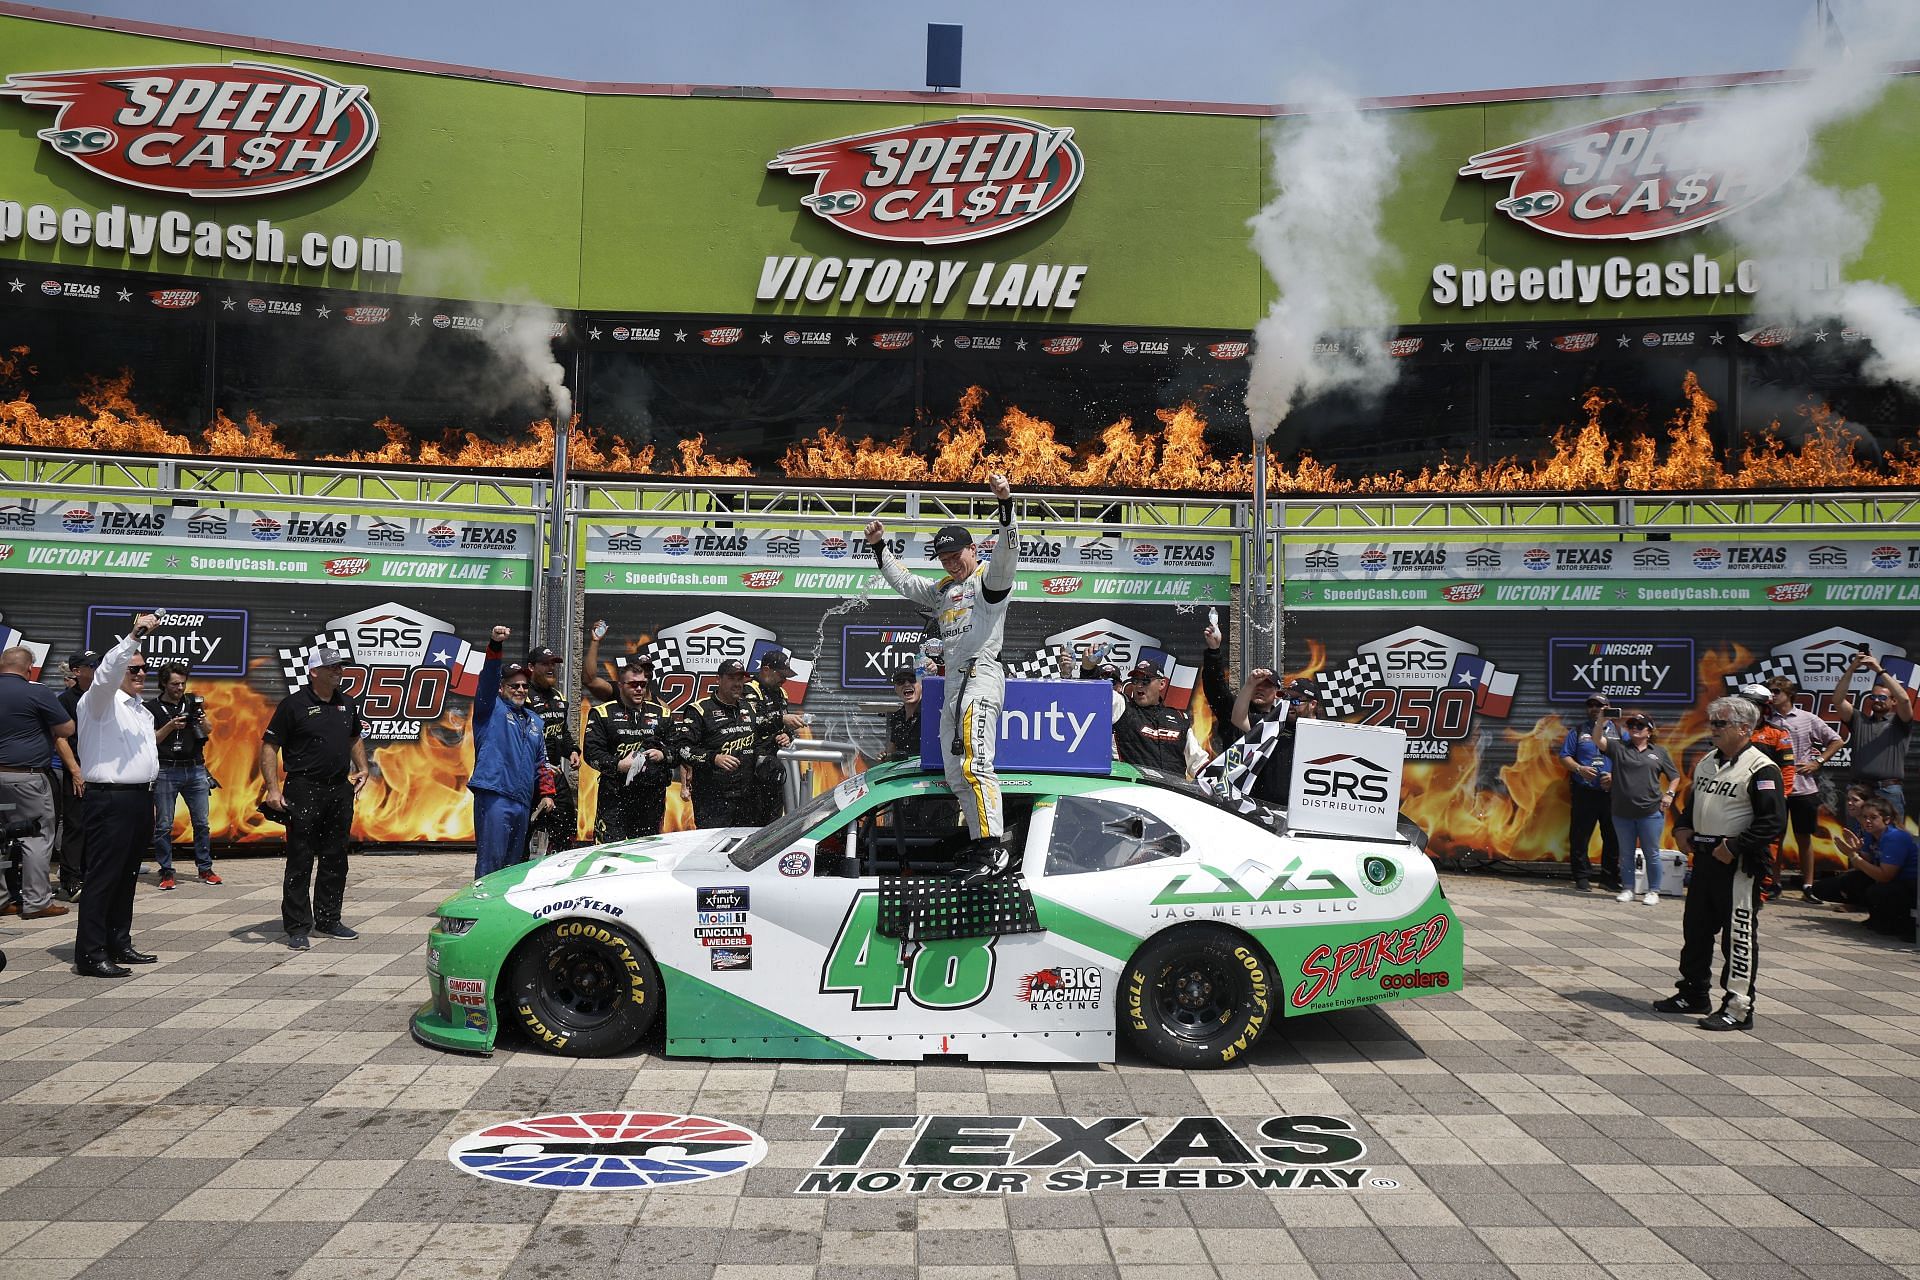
(1144, 907)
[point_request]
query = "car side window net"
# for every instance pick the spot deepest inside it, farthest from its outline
(1102, 835)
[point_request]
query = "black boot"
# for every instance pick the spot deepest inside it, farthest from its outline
(981, 861)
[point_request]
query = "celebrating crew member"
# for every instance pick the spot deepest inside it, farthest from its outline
(558, 827)
(1149, 733)
(1730, 818)
(71, 843)
(1877, 731)
(1263, 697)
(716, 737)
(629, 743)
(1814, 743)
(509, 761)
(593, 683)
(119, 761)
(969, 605)
(180, 727)
(33, 725)
(903, 722)
(319, 734)
(774, 727)
(1581, 756)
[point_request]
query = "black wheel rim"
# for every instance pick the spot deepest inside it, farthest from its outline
(1195, 999)
(584, 986)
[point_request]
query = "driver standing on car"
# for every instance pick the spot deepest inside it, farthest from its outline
(969, 606)
(716, 737)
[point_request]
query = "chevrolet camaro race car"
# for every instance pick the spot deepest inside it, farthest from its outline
(1144, 907)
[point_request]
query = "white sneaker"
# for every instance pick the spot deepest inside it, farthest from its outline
(1626, 895)
(1652, 899)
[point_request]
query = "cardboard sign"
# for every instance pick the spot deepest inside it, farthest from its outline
(1346, 779)
(1063, 726)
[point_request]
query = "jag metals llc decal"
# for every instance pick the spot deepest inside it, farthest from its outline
(208, 131)
(999, 1155)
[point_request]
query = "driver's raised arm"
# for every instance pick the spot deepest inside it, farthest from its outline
(999, 577)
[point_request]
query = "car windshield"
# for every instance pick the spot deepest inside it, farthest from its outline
(769, 840)
(1254, 811)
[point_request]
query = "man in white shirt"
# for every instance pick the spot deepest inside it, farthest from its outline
(119, 759)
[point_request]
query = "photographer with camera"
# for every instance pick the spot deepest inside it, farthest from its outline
(119, 762)
(32, 721)
(180, 728)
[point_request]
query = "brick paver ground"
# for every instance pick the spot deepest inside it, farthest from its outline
(240, 1110)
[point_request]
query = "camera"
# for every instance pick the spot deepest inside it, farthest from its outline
(18, 828)
(197, 718)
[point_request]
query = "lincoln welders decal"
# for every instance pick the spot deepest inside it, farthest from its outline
(997, 1155)
(608, 1151)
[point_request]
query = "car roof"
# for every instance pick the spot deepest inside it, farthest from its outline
(1037, 780)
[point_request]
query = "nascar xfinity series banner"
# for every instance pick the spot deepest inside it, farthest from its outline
(414, 651)
(1486, 698)
(777, 562)
(1876, 574)
(224, 544)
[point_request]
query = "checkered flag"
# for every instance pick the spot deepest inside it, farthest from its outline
(1765, 670)
(664, 653)
(1043, 665)
(1340, 690)
(1231, 774)
(293, 660)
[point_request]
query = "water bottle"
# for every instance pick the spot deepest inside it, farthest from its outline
(1213, 619)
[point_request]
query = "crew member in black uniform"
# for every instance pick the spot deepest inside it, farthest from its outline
(903, 722)
(1149, 733)
(317, 732)
(774, 727)
(1730, 818)
(629, 742)
(559, 827)
(716, 743)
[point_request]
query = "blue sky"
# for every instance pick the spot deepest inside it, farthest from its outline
(1231, 50)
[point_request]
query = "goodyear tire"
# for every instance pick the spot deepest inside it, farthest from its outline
(1196, 997)
(583, 988)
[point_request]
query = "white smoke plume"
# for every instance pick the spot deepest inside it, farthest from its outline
(1806, 226)
(520, 333)
(522, 339)
(1320, 241)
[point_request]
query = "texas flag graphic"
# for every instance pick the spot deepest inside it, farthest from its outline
(11, 639)
(453, 655)
(1907, 673)
(797, 680)
(1492, 688)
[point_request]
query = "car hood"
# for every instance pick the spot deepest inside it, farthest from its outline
(579, 868)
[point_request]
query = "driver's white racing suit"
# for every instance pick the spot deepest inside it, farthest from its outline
(972, 615)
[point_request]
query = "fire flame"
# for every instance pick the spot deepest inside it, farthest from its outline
(1171, 453)
(1524, 818)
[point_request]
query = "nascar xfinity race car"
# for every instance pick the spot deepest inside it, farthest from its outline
(1143, 906)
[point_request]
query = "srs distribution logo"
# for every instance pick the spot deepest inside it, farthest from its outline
(608, 1151)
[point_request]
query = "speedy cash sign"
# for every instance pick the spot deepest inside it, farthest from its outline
(939, 182)
(204, 130)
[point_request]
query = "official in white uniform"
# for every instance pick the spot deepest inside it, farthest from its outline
(969, 607)
(119, 759)
(1730, 817)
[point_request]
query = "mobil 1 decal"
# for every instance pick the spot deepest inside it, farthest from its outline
(1000, 1155)
(844, 652)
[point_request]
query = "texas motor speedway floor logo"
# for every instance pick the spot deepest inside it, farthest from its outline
(608, 1151)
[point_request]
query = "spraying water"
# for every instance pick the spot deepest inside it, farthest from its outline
(1761, 133)
(1320, 240)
